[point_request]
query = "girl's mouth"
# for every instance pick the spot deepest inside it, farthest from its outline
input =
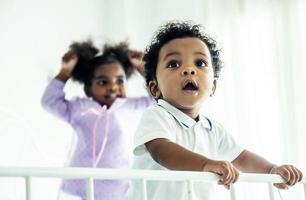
(112, 96)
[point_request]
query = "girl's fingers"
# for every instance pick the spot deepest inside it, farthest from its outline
(69, 55)
(135, 54)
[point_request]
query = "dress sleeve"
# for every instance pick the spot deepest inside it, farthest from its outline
(154, 124)
(142, 102)
(53, 100)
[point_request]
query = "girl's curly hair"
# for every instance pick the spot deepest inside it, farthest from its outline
(89, 60)
(85, 51)
(173, 30)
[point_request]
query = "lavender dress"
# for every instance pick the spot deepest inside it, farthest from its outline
(105, 137)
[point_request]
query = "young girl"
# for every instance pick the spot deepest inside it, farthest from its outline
(105, 120)
(182, 66)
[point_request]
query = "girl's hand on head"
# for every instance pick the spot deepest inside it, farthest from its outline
(289, 173)
(135, 58)
(227, 172)
(69, 62)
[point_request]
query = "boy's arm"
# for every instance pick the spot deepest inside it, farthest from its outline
(176, 157)
(251, 163)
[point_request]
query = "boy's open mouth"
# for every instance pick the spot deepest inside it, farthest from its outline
(190, 85)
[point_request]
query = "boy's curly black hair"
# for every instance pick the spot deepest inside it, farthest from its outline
(174, 30)
(89, 60)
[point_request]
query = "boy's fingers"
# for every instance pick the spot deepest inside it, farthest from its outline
(294, 176)
(285, 174)
(231, 176)
(236, 175)
(227, 187)
(300, 174)
(297, 175)
(281, 185)
(226, 175)
(290, 174)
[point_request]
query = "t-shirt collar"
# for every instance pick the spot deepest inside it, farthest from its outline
(182, 118)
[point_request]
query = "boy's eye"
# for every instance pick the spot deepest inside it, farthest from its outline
(173, 64)
(102, 82)
(200, 63)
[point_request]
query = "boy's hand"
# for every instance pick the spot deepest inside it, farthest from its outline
(69, 62)
(289, 173)
(228, 173)
(136, 60)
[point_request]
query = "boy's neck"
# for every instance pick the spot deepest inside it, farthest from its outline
(193, 113)
(190, 112)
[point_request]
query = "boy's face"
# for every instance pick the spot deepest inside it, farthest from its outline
(185, 76)
(108, 83)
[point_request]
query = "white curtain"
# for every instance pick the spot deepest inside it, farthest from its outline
(260, 96)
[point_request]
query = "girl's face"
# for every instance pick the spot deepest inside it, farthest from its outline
(184, 74)
(107, 84)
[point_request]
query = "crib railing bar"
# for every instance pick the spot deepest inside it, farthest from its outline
(144, 189)
(190, 189)
(90, 189)
(304, 190)
(28, 187)
(271, 191)
(89, 174)
(84, 173)
(233, 192)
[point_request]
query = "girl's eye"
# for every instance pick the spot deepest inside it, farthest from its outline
(102, 82)
(200, 63)
(120, 81)
(173, 64)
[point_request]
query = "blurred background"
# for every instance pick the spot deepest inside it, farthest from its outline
(260, 98)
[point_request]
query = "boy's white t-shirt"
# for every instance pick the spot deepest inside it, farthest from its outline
(204, 137)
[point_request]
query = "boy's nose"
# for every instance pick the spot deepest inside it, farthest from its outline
(188, 71)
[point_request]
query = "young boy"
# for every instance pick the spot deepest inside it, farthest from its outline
(182, 67)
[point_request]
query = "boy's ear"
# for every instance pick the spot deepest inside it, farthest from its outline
(87, 91)
(213, 87)
(154, 89)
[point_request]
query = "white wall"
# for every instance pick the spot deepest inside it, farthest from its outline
(260, 97)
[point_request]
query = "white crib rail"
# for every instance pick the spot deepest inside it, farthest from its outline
(90, 174)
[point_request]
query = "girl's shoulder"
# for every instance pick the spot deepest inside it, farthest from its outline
(144, 101)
